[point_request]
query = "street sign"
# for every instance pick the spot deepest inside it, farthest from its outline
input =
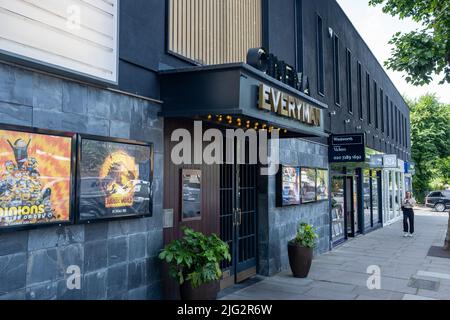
(347, 148)
(390, 161)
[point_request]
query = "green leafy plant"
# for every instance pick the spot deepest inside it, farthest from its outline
(306, 236)
(195, 257)
(425, 52)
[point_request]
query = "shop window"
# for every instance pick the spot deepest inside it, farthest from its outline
(191, 182)
(214, 32)
(320, 63)
(337, 209)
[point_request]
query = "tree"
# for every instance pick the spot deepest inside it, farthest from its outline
(423, 52)
(430, 136)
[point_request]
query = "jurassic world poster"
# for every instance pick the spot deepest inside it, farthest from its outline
(114, 180)
(35, 185)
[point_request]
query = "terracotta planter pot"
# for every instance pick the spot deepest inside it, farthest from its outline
(207, 291)
(300, 259)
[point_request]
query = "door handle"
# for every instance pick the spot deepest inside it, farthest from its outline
(240, 216)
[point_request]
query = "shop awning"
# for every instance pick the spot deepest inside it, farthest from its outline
(239, 90)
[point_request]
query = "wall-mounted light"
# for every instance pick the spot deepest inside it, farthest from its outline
(358, 127)
(347, 121)
(330, 32)
(332, 113)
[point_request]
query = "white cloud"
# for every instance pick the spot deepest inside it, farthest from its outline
(377, 28)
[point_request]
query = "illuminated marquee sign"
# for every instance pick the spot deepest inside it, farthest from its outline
(288, 106)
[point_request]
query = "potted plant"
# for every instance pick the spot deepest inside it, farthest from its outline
(194, 261)
(300, 250)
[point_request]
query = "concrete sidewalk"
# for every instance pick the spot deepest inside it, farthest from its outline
(406, 270)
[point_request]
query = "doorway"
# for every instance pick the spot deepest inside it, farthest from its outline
(351, 206)
(345, 219)
(238, 215)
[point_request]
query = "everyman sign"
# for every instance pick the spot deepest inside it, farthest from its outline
(347, 148)
(288, 106)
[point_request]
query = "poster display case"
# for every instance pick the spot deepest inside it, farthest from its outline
(114, 179)
(37, 170)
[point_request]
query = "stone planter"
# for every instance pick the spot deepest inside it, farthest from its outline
(300, 259)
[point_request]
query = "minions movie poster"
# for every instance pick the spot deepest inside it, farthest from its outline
(35, 185)
(115, 180)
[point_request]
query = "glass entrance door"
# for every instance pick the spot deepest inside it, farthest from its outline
(238, 210)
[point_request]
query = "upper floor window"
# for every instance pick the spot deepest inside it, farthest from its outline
(337, 83)
(360, 99)
(375, 103)
(349, 81)
(392, 121)
(382, 109)
(320, 63)
(369, 113)
(214, 32)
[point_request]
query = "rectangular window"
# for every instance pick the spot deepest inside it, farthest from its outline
(360, 99)
(349, 81)
(391, 120)
(337, 82)
(386, 112)
(405, 132)
(375, 102)
(401, 130)
(382, 109)
(319, 48)
(214, 32)
(369, 113)
(191, 184)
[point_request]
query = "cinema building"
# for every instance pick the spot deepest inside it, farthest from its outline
(92, 123)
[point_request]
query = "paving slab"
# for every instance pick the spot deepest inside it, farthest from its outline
(406, 272)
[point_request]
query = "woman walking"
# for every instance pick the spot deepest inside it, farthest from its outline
(408, 215)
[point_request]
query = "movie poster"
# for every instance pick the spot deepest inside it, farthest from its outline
(35, 185)
(114, 180)
(322, 184)
(290, 186)
(308, 185)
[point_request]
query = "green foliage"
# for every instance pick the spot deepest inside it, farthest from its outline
(306, 236)
(430, 135)
(195, 257)
(423, 52)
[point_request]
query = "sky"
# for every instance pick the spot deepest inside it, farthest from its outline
(377, 28)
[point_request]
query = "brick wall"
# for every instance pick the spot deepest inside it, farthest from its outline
(118, 259)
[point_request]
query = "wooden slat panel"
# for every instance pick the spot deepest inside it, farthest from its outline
(214, 32)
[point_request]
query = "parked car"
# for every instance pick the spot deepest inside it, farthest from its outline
(439, 200)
